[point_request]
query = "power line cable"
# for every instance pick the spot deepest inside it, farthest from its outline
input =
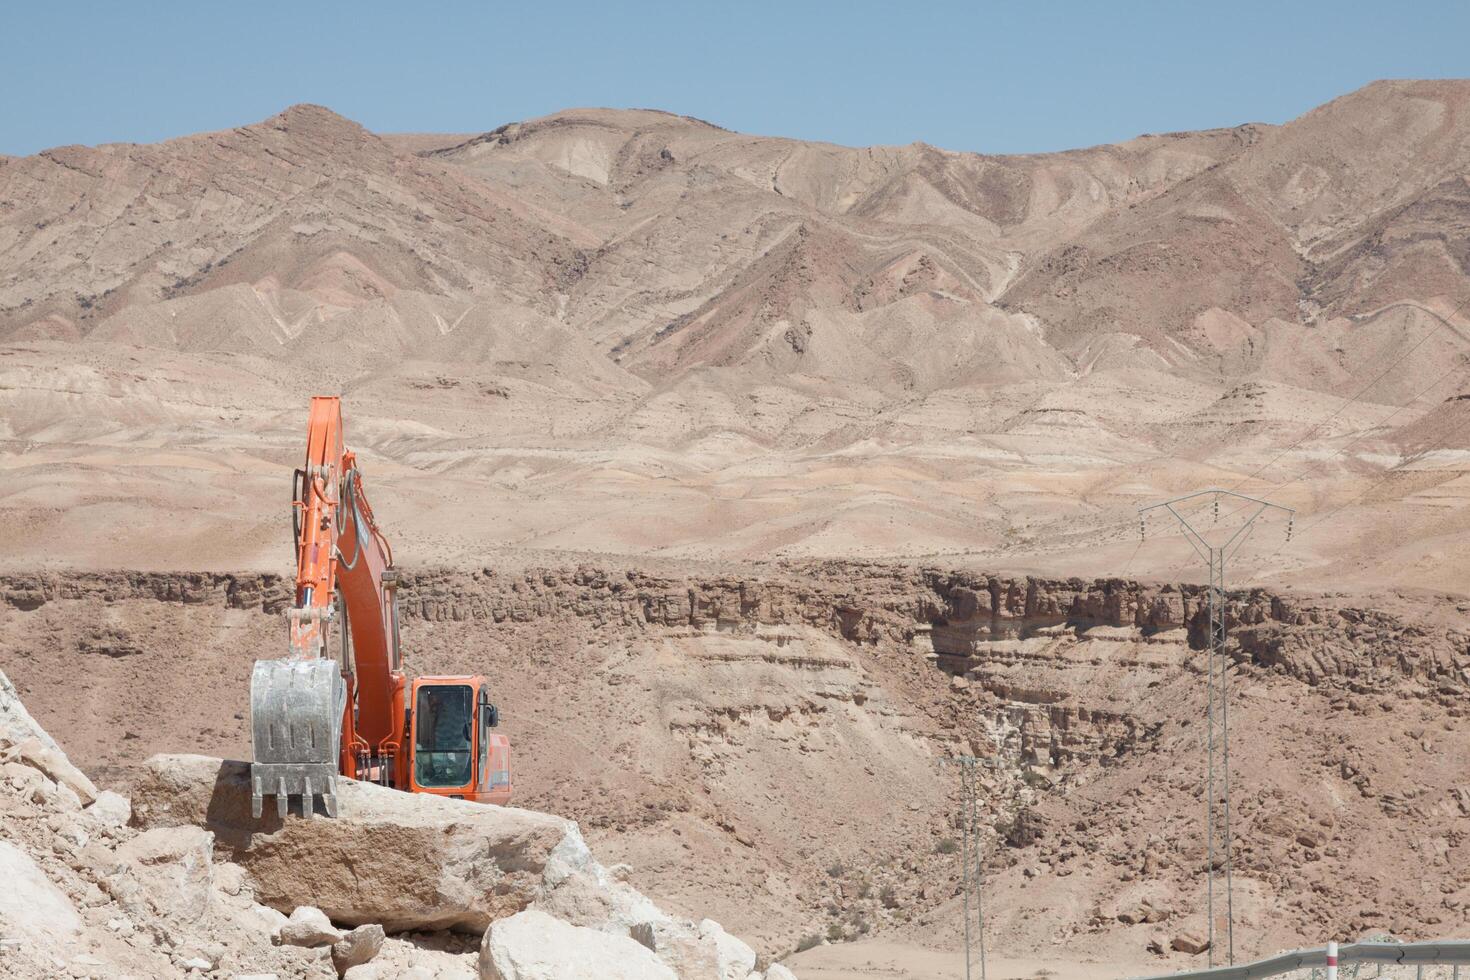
(1348, 402)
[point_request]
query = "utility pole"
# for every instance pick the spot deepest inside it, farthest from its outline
(970, 857)
(1217, 719)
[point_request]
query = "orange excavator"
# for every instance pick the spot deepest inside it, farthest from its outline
(342, 705)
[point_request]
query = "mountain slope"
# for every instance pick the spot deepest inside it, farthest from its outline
(632, 331)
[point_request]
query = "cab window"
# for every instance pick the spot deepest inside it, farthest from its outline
(444, 722)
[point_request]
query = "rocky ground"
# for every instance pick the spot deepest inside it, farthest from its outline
(180, 881)
(723, 736)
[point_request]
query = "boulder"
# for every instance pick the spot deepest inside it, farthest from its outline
(696, 952)
(262, 918)
(357, 947)
(309, 927)
(1189, 942)
(778, 972)
(532, 945)
(584, 893)
(399, 860)
(23, 740)
(16, 723)
(32, 909)
(110, 809)
(50, 760)
(418, 862)
(168, 873)
(734, 960)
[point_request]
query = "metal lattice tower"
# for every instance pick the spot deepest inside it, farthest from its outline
(1218, 838)
(972, 873)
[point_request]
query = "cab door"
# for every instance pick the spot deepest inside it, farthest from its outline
(493, 751)
(444, 737)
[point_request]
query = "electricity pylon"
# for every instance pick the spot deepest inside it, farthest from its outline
(1217, 721)
(970, 856)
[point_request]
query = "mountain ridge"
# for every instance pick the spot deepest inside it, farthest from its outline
(630, 312)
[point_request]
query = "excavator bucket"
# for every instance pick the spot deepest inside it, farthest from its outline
(296, 711)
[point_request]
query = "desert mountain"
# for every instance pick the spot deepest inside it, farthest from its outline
(633, 332)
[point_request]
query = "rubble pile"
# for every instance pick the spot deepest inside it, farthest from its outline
(180, 881)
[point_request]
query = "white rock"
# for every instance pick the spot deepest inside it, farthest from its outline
(46, 756)
(93, 897)
(31, 907)
(26, 781)
(734, 960)
(16, 723)
(695, 952)
(67, 798)
(357, 947)
(71, 833)
(376, 971)
(532, 945)
(229, 877)
(173, 866)
(265, 918)
(110, 809)
(778, 972)
(310, 927)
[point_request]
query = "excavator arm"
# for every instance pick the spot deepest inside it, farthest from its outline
(330, 707)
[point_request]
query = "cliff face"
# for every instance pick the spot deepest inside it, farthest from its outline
(965, 615)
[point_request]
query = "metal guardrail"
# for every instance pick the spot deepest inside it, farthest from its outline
(1448, 952)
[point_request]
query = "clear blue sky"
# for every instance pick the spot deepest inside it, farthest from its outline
(985, 75)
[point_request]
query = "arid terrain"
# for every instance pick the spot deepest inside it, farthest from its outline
(762, 475)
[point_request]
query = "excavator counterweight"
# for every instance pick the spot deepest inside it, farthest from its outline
(339, 703)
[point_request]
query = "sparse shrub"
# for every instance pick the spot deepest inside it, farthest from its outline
(947, 845)
(889, 897)
(1036, 780)
(835, 933)
(836, 870)
(808, 942)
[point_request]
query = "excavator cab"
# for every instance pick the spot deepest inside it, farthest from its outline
(454, 752)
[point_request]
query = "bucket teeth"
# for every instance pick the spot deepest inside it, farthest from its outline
(306, 787)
